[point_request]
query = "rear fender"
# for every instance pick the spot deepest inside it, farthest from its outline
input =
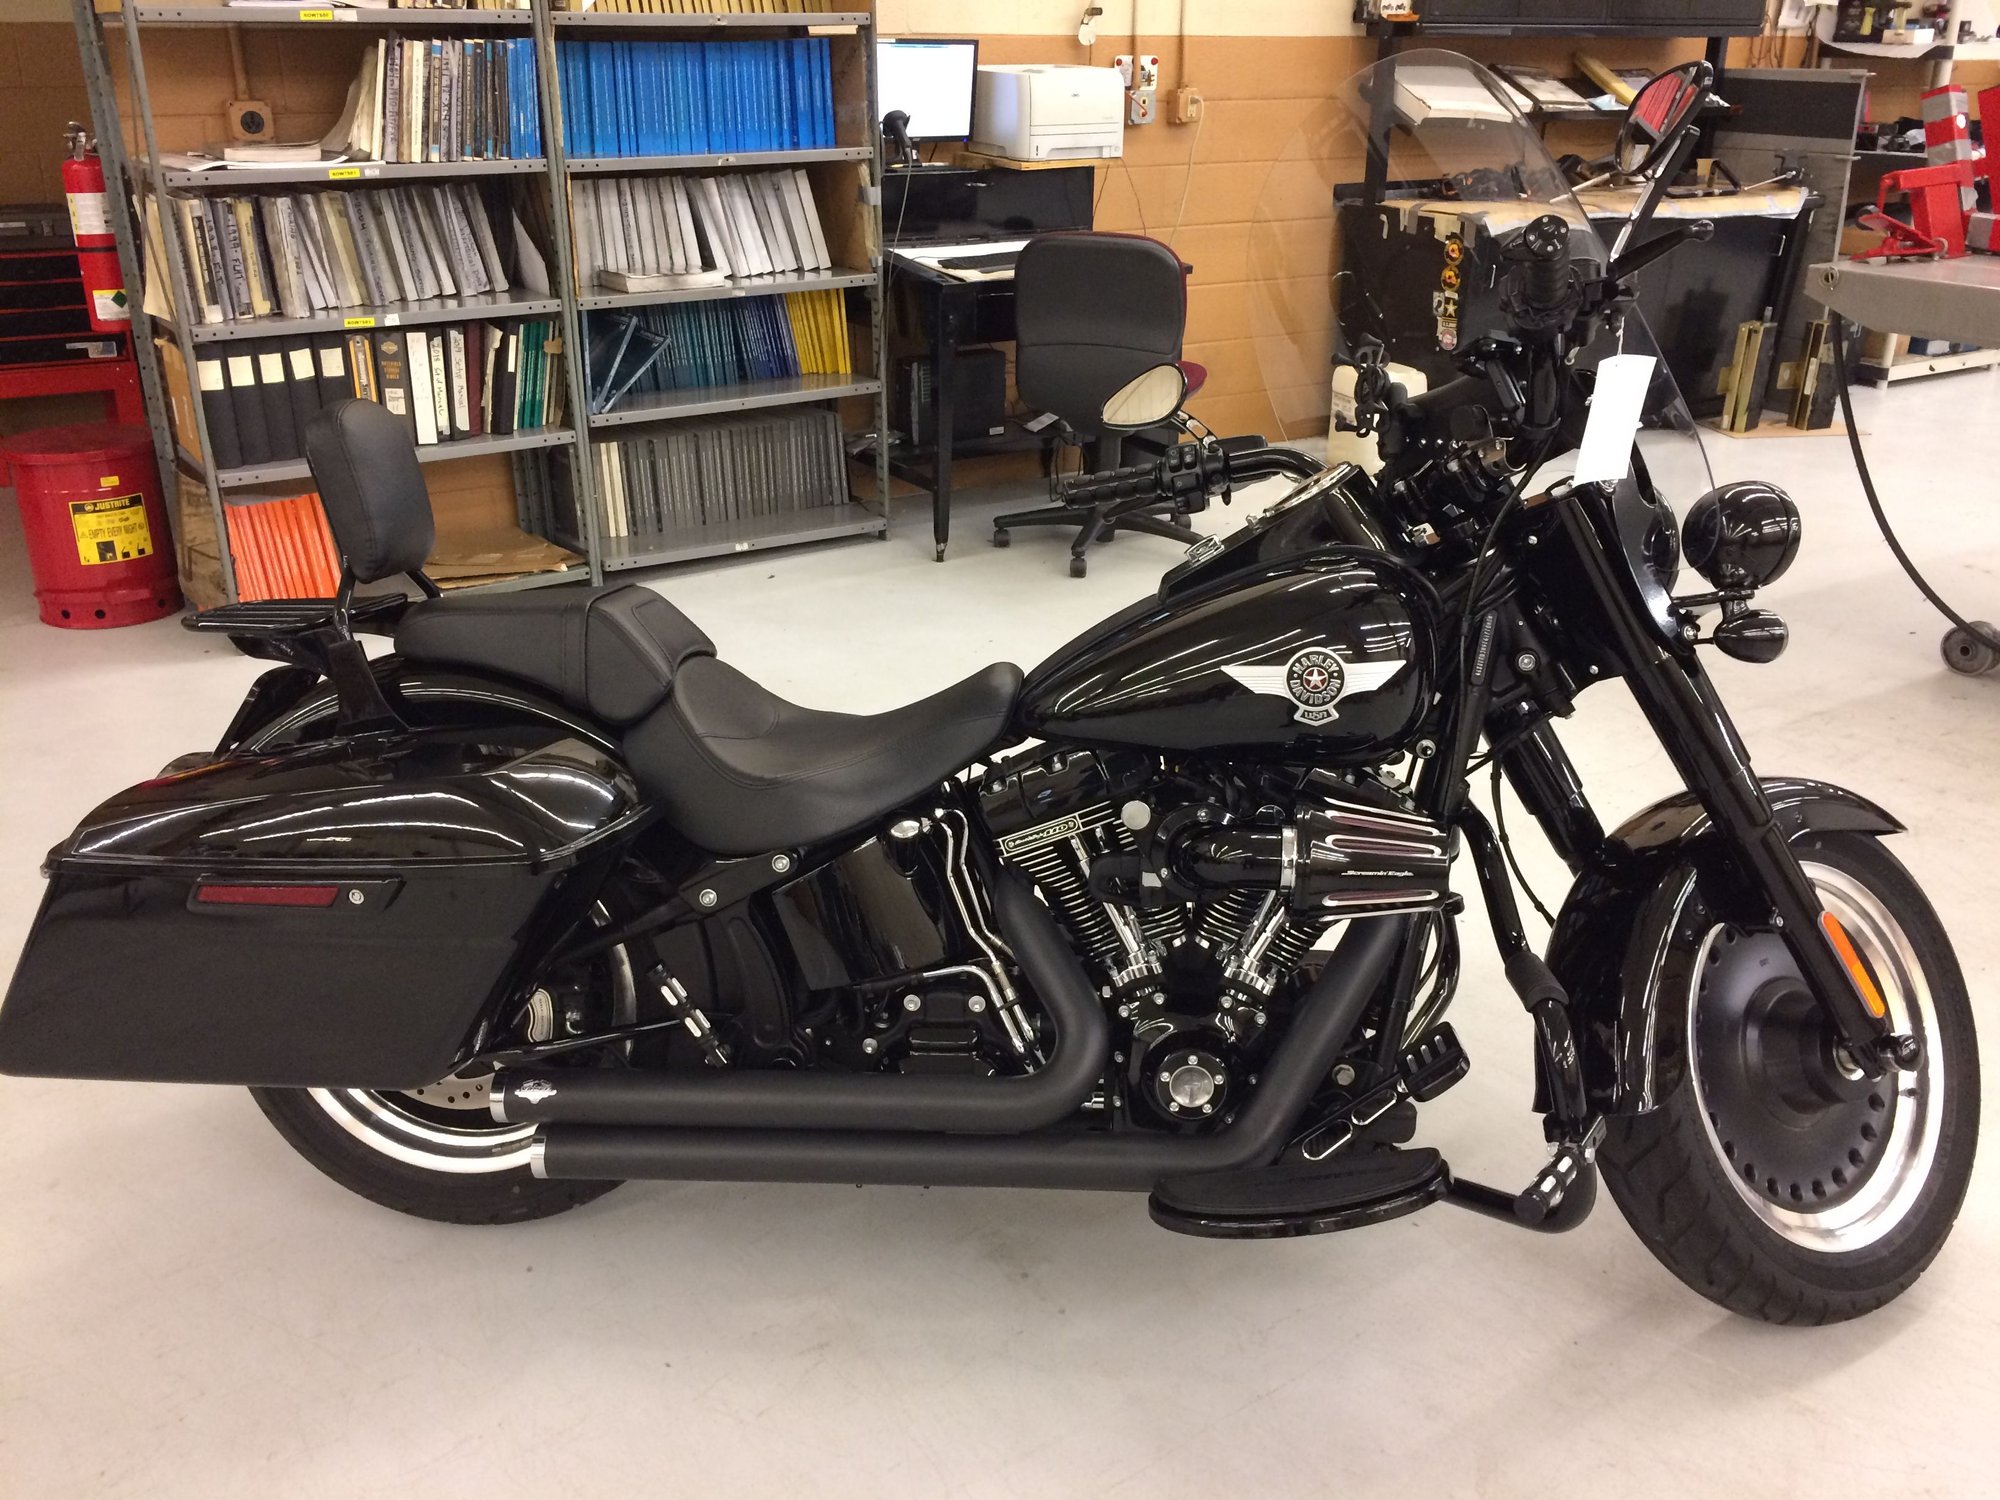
(281, 709)
(1629, 932)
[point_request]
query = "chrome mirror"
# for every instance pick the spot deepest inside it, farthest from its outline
(1146, 401)
(1658, 114)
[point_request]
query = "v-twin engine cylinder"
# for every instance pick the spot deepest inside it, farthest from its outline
(1345, 858)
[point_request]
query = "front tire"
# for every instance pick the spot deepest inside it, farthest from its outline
(1774, 1179)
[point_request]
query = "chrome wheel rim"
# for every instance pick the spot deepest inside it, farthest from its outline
(1873, 1178)
(390, 1124)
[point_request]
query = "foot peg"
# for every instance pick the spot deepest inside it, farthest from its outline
(1570, 1164)
(1560, 1198)
(1433, 1064)
(1302, 1197)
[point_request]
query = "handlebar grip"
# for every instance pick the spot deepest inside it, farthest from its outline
(1113, 484)
(1546, 246)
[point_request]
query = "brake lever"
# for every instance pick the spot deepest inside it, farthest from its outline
(1634, 261)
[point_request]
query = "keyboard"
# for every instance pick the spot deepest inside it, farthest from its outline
(1002, 261)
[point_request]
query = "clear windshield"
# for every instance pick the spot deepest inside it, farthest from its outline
(1429, 171)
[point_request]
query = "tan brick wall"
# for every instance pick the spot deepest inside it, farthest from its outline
(41, 84)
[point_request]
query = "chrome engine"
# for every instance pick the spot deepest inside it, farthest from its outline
(1195, 905)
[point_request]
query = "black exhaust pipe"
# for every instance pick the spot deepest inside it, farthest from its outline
(1072, 1158)
(809, 1100)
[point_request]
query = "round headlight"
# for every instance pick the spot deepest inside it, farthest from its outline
(1742, 535)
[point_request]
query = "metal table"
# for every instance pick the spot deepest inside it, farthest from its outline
(1933, 299)
(1927, 299)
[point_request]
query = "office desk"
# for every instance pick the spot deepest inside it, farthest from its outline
(989, 205)
(954, 313)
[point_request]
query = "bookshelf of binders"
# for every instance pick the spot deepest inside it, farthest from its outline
(540, 185)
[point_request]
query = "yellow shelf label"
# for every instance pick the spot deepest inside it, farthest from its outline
(357, 323)
(342, 174)
(315, 15)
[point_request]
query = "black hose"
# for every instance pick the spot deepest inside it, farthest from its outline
(1837, 325)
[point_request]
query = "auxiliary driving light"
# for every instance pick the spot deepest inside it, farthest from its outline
(1742, 535)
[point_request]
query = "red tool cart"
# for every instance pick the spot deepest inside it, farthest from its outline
(54, 340)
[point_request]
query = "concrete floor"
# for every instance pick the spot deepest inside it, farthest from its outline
(187, 1309)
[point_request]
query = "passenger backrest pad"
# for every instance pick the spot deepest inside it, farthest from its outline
(364, 463)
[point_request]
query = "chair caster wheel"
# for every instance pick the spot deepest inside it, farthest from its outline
(1107, 536)
(1002, 538)
(940, 552)
(1078, 567)
(1965, 652)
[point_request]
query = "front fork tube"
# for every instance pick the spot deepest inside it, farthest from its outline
(1695, 729)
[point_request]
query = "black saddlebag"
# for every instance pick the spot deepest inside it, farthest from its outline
(341, 914)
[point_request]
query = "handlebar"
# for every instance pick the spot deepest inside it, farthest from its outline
(1189, 473)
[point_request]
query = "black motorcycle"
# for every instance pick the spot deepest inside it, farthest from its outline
(553, 897)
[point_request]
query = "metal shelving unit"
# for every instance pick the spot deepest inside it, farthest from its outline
(147, 174)
(240, 176)
(748, 395)
(761, 286)
(825, 524)
(727, 159)
(409, 20)
(402, 315)
(250, 476)
(590, 20)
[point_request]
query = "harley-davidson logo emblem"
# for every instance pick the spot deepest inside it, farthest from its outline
(1316, 680)
(535, 1090)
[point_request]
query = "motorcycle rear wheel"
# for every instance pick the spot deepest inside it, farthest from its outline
(1775, 1179)
(395, 1150)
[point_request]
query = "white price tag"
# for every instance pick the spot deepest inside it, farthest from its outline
(1615, 409)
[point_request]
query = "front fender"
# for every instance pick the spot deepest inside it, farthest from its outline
(1629, 931)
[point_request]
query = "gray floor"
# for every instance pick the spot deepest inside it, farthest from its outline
(186, 1309)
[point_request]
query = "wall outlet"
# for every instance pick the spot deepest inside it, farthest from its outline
(1142, 106)
(249, 120)
(1185, 106)
(1138, 72)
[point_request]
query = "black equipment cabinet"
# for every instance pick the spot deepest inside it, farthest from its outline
(1595, 17)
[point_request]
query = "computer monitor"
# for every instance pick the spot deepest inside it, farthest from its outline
(931, 81)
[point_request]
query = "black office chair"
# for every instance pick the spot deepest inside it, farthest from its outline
(1092, 313)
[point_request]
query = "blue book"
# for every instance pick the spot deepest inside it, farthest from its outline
(761, 113)
(797, 71)
(603, 99)
(712, 60)
(680, 125)
(651, 68)
(575, 98)
(531, 95)
(781, 96)
(510, 73)
(624, 57)
(823, 95)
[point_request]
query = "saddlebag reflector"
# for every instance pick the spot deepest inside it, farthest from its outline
(210, 893)
(343, 914)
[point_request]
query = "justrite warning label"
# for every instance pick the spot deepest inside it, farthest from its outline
(110, 530)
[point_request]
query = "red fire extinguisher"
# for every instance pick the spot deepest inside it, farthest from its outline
(96, 245)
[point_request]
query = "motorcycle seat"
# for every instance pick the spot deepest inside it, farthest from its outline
(741, 771)
(609, 653)
(737, 769)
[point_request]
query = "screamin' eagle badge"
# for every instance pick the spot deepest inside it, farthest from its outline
(1316, 680)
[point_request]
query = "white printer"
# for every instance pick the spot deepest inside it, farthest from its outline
(1048, 112)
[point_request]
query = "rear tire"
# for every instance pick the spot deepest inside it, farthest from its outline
(1789, 1240)
(332, 1129)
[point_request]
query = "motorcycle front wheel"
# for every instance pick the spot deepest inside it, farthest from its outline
(1777, 1179)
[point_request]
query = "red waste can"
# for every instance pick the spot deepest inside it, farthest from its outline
(97, 529)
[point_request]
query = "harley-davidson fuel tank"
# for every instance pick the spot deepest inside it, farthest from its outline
(1329, 658)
